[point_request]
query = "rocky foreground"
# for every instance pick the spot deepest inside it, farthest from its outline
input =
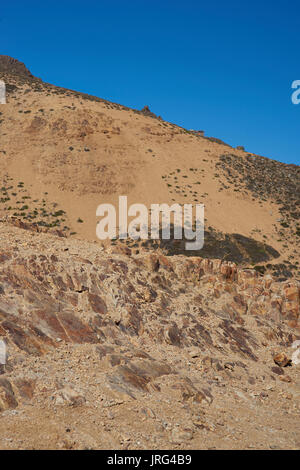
(112, 351)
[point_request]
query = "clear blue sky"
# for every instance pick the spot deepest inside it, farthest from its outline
(222, 66)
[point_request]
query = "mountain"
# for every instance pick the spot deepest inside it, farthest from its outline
(86, 151)
(141, 344)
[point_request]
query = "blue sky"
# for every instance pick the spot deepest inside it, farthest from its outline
(224, 67)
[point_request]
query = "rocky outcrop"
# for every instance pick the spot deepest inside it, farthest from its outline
(49, 298)
(147, 112)
(87, 328)
(13, 66)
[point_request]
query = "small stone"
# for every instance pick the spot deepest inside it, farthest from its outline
(69, 396)
(180, 435)
(285, 378)
(277, 370)
(229, 365)
(148, 412)
(269, 387)
(194, 353)
(281, 360)
(287, 396)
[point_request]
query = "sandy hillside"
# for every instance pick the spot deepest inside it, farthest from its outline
(65, 151)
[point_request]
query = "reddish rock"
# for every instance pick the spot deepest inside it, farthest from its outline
(172, 335)
(285, 378)
(76, 330)
(7, 396)
(97, 304)
(281, 360)
(277, 370)
(25, 387)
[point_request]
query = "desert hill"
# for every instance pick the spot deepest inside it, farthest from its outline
(141, 345)
(62, 153)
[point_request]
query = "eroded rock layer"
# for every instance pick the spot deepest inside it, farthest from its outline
(142, 351)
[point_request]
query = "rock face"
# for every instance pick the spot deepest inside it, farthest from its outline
(14, 66)
(147, 112)
(100, 335)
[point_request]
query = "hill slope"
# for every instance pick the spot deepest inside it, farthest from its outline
(79, 151)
